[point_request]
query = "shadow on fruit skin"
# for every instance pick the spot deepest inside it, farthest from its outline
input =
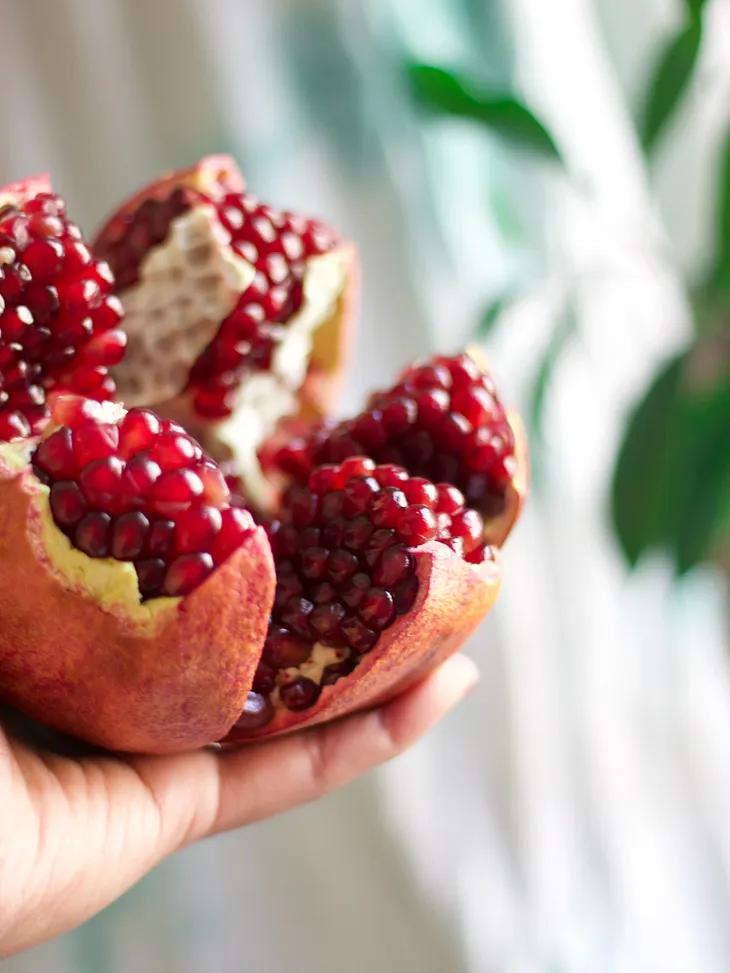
(32, 734)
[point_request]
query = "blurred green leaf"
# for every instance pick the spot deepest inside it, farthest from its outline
(721, 279)
(706, 476)
(449, 94)
(643, 500)
(695, 7)
(671, 77)
(494, 311)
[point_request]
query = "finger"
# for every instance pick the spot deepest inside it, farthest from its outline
(259, 781)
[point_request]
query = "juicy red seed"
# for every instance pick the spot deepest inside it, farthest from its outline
(129, 536)
(236, 524)
(357, 534)
(74, 411)
(67, 503)
(265, 679)
(43, 258)
(432, 406)
(325, 620)
(359, 637)
(161, 538)
(284, 649)
(333, 505)
(174, 492)
(150, 574)
(476, 404)
(300, 694)
(405, 595)
(449, 499)
(325, 479)
(386, 508)
(196, 529)
(13, 425)
(395, 565)
(216, 491)
(469, 526)
(359, 491)
(313, 563)
(377, 609)
(138, 431)
(287, 587)
(285, 541)
(295, 615)
(324, 593)
(355, 467)
(418, 490)
(399, 415)
(94, 441)
(185, 573)
(93, 535)
(389, 475)
(353, 594)
(258, 710)
(100, 482)
(417, 525)
(55, 455)
(137, 479)
(341, 566)
(302, 505)
(175, 451)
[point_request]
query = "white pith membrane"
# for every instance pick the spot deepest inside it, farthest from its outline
(312, 668)
(187, 286)
(264, 398)
(110, 583)
(175, 311)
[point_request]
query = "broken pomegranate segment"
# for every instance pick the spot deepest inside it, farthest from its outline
(379, 576)
(237, 313)
(134, 598)
(59, 320)
(442, 421)
(139, 489)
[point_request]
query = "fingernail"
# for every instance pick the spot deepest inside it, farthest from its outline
(465, 670)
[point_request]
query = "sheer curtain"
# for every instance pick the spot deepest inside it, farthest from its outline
(571, 816)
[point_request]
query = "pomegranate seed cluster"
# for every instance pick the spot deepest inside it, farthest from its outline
(276, 243)
(442, 421)
(59, 321)
(343, 546)
(141, 490)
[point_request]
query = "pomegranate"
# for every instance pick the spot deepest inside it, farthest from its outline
(442, 420)
(142, 607)
(134, 598)
(59, 320)
(380, 576)
(237, 314)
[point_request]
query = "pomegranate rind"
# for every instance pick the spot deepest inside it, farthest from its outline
(83, 657)
(452, 600)
(23, 190)
(497, 529)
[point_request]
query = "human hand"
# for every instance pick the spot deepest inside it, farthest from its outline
(76, 831)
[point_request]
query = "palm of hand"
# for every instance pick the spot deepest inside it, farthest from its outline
(78, 827)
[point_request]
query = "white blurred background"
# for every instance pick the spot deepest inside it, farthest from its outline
(574, 815)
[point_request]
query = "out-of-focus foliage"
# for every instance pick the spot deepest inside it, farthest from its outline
(671, 483)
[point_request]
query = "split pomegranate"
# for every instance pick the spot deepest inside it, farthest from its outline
(59, 321)
(364, 555)
(237, 313)
(442, 420)
(142, 607)
(134, 598)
